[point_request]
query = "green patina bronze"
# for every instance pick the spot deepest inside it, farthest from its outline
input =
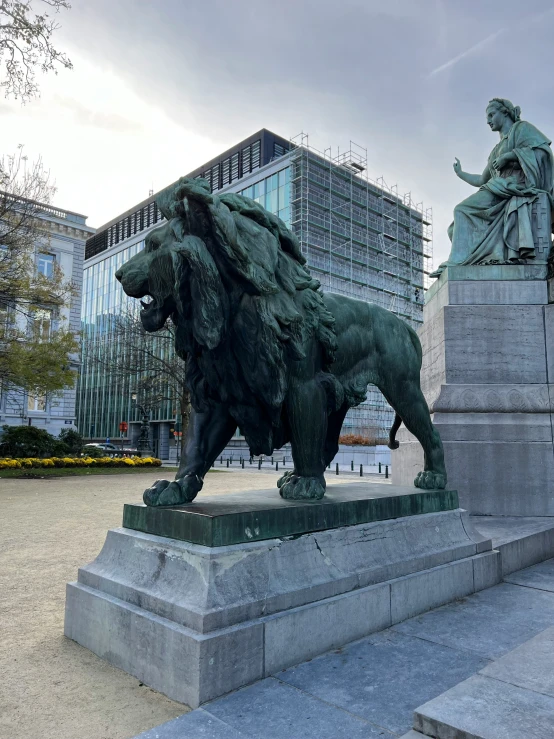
(266, 351)
(509, 219)
(236, 518)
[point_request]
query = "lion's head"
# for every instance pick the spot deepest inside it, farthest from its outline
(232, 278)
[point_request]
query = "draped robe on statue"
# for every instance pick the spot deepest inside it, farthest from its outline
(494, 224)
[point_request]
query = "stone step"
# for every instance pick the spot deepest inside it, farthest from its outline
(510, 698)
(521, 541)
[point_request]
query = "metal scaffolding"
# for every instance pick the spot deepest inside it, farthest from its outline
(363, 240)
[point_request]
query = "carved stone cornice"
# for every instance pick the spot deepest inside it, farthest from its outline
(494, 399)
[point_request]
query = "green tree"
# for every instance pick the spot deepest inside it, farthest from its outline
(26, 43)
(36, 345)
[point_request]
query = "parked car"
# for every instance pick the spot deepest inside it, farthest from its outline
(111, 449)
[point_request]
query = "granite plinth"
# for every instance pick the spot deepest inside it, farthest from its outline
(196, 621)
(256, 515)
(488, 364)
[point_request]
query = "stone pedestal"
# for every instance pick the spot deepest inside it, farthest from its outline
(488, 374)
(249, 584)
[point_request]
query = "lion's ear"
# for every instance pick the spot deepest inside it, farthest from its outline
(199, 291)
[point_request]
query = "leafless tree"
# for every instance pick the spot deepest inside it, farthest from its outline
(26, 43)
(144, 363)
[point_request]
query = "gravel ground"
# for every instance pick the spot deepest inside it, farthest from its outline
(50, 687)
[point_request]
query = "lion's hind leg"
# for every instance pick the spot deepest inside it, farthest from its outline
(409, 404)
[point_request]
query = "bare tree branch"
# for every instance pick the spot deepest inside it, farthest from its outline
(142, 362)
(26, 43)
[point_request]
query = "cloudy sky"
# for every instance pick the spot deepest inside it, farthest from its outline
(161, 86)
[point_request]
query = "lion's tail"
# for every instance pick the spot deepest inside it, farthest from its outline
(393, 444)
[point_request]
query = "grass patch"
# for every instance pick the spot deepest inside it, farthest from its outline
(40, 474)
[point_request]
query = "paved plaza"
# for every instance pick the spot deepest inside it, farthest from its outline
(51, 687)
(481, 665)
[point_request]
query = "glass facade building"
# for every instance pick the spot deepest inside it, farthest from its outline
(360, 238)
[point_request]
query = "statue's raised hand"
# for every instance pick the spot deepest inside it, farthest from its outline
(457, 166)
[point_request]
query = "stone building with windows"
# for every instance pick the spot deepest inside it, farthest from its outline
(361, 238)
(65, 234)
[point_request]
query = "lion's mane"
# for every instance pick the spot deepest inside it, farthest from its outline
(246, 307)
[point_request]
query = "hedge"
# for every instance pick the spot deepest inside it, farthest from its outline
(8, 463)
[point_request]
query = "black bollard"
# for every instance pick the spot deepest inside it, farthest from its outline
(361, 470)
(276, 466)
(259, 464)
(227, 463)
(337, 468)
(243, 464)
(387, 471)
(352, 465)
(271, 460)
(221, 460)
(379, 467)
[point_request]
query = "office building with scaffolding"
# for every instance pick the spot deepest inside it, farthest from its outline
(360, 238)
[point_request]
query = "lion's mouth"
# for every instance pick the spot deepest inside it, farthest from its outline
(154, 313)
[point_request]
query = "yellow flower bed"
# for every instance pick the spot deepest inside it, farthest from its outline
(27, 462)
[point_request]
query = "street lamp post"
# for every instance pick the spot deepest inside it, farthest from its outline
(143, 443)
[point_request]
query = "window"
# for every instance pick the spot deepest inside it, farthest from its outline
(235, 167)
(256, 155)
(3, 317)
(45, 264)
(226, 172)
(246, 160)
(42, 323)
(36, 402)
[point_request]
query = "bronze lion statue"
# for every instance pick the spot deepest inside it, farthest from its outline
(265, 350)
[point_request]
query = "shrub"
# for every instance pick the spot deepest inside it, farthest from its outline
(26, 462)
(10, 464)
(93, 452)
(72, 440)
(26, 441)
(59, 449)
(356, 440)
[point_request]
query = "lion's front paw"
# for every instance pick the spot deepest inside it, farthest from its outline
(296, 487)
(166, 493)
(430, 480)
(282, 480)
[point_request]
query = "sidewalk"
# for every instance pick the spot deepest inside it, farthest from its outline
(372, 687)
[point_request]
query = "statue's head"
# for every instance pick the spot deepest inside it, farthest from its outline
(498, 110)
(178, 277)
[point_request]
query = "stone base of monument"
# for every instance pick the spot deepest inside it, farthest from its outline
(488, 376)
(199, 600)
